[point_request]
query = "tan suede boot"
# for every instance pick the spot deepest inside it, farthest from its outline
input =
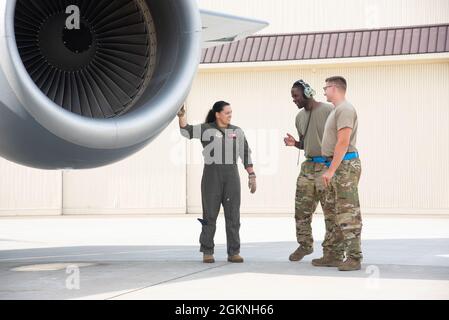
(328, 260)
(208, 258)
(350, 264)
(299, 254)
(235, 259)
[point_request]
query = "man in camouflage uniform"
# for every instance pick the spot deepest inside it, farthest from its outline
(342, 177)
(310, 189)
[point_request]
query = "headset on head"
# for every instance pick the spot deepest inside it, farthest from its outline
(307, 89)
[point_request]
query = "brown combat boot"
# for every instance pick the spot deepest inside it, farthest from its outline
(299, 254)
(208, 258)
(235, 259)
(328, 260)
(350, 264)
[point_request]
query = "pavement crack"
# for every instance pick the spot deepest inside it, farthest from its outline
(168, 280)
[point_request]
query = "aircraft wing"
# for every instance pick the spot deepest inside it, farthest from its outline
(220, 28)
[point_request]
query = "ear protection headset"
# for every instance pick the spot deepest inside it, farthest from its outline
(307, 89)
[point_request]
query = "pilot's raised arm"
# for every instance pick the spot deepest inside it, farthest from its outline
(188, 131)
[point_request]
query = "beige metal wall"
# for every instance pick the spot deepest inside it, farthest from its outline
(290, 16)
(25, 191)
(403, 138)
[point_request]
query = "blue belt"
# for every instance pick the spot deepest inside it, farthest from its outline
(317, 159)
(327, 162)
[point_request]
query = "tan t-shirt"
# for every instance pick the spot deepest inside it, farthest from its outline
(312, 142)
(343, 116)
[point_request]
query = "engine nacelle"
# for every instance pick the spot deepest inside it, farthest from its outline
(90, 96)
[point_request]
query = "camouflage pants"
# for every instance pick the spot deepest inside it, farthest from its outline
(343, 192)
(309, 191)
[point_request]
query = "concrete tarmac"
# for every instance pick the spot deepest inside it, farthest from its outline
(158, 258)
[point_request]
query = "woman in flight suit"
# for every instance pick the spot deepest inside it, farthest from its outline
(223, 144)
